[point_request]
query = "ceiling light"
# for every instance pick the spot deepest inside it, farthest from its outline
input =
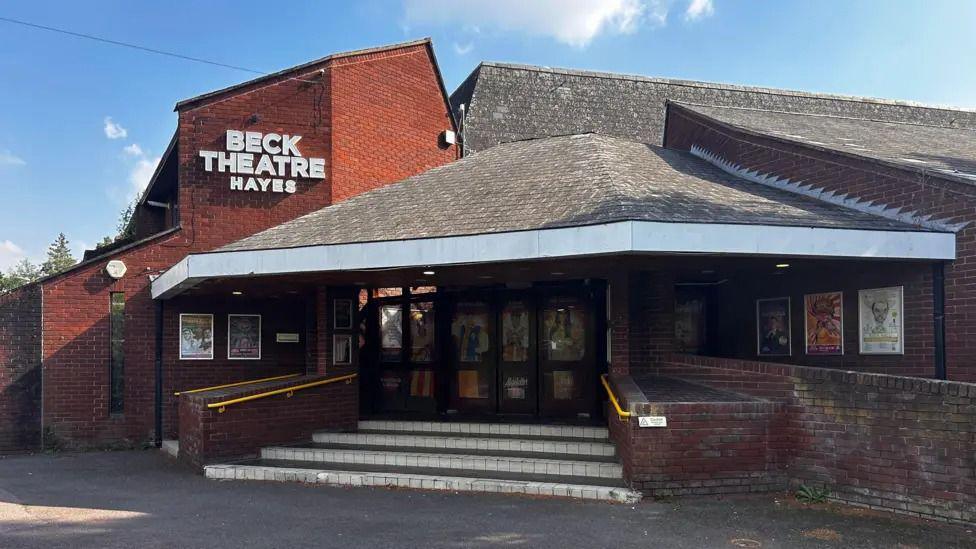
(486, 277)
(782, 265)
(557, 273)
(237, 292)
(429, 273)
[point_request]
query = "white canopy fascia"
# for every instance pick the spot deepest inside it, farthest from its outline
(648, 237)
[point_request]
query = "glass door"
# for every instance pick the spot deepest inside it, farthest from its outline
(566, 353)
(518, 380)
(473, 358)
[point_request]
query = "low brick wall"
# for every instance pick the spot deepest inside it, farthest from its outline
(207, 435)
(887, 442)
(20, 370)
(707, 448)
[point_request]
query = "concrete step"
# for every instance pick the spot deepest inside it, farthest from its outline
(468, 442)
(502, 429)
(466, 462)
(338, 477)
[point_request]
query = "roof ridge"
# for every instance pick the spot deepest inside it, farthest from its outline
(821, 115)
(719, 85)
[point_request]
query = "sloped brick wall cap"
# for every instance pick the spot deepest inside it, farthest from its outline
(217, 395)
(817, 375)
(628, 394)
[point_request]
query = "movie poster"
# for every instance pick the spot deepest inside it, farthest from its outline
(564, 332)
(391, 332)
(342, 314)
(515, 333)
(196, 337)
(341, 349)
(824, 323)
(880, 320)
(244, 337)
(471, 332)
(773, 326)
(421, 332)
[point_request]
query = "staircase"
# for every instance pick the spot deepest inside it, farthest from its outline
(541, 460)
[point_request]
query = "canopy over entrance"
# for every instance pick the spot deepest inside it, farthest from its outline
(560, 198)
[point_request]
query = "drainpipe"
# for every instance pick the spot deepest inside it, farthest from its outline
(938, 317)
(159, 374)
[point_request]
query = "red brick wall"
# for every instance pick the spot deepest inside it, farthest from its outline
(866, 180)
(20, 370)
(281, 314)
(706, 448)
(207, 435)
(394, 89)
(889, 442)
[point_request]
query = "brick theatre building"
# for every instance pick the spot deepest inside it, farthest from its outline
(550, 282)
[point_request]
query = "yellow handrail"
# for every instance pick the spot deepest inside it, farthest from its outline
(613, 398)
(287, 391)
(238, 384)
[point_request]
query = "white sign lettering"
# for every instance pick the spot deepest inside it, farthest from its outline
(271, 161)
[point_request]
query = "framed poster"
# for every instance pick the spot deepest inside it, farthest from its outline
(773, 327)
(196, 337)
(391, 332)
(880, 321)
(823, 323)
(515, 333)
(341, 350)
(472, 338)
(342, 314)
(244, 337)
(422, 332)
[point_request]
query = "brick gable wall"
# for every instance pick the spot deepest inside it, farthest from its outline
(371, 93)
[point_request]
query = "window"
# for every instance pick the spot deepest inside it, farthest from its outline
(116, 348)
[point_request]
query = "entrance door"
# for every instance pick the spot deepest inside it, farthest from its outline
(517, 365)
(473, 358)
(566, 357)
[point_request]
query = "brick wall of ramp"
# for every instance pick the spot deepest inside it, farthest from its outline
(885, 442)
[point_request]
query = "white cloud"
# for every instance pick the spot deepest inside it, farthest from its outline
(139, 177)
(573, 22)
(8, 158)
(133, 150)
(698, 9)
(463, 49)
(10, 254)
(114, 130)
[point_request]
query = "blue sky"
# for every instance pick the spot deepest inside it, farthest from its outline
(82, 123)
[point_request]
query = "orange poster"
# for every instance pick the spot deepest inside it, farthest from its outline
(824, 323)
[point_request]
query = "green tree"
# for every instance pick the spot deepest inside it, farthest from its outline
(58, 257)
(125, 227)
(105, 242)
(22, 273)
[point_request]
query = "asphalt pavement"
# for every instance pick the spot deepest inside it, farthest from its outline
(144, 499)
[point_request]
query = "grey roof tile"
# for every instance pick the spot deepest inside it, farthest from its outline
(507, 102)
(557, 182)
(937, 150)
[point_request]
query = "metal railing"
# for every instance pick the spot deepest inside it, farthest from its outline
(287, 391)
(238, 384)
(623, 414)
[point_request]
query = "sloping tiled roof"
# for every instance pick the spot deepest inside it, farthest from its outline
(937, 150)
(557, 182)
(506, 102)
